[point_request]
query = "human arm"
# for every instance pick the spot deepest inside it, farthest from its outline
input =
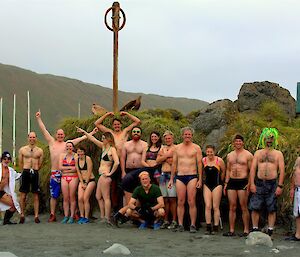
(136, 121)
(90, 137)
(199, 166)
(160, 204)
(79, 173)
(123, 160)
(132, 203)
(41, 158)
(173, 168)
(223, 168)
(279, 188)
(143, 162)
(43, 129)
(116, 162)
(100, 126)
(227, 174)
(20, 158)
(252, 174)
(77, 140)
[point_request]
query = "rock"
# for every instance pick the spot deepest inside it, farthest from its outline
(7, 254)
(213, 120)
(259, 238)
(252, 95)
(117, 249)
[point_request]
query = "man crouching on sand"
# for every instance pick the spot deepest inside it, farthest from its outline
(146, 204)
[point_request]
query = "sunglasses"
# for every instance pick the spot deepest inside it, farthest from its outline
(136, 131)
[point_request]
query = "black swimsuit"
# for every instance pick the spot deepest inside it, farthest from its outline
(212, 175)
(84, 168)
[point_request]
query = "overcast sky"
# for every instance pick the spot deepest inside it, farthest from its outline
(203, 49)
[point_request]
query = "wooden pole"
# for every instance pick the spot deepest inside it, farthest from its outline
(14, 133)
(115, 28)
(1, 123)
(28, 113)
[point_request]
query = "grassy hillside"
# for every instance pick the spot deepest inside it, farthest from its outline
(58, 97)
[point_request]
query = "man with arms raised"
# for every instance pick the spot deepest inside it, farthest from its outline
(30, 161)
(165, 157)
(266, 165)
(236, 183)
(57, 146)
(120, 137)
(187, 162)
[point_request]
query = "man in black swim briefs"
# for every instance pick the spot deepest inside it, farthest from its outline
(236, 183)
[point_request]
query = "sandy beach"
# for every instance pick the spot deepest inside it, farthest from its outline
(55, 239)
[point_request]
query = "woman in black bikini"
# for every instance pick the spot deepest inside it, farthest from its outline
(87, 184)
(214, 172)
(108, 165)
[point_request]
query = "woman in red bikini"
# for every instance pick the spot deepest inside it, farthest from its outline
(69, 182)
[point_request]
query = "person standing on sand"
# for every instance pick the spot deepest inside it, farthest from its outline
(109, 163)
(187, 162)
(236, 184)
(30, 161)
(120, 137)
(213, 177)
(295, 195)
(57, 146)
(165, 158)
(267, 163)
(8, 198)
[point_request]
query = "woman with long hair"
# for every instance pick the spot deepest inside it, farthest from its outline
(87, 184)
(149, 156)
(108, 165)
(214, 173)
(69, 182)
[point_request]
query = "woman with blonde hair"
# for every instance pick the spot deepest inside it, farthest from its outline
(108, 165)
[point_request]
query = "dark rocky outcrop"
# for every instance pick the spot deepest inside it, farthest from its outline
(213, 119)
(253, 95)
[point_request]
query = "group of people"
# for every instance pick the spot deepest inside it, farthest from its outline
(157, 179)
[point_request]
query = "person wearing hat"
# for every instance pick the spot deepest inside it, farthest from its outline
(8, 197)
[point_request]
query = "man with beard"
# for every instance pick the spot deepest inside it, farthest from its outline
(8, 198)
(57, 146)
(30, 161)
(131, 166)
(236, 183)
(187, 162)
(268, 162)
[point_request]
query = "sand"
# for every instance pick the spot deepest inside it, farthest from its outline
(55, 239)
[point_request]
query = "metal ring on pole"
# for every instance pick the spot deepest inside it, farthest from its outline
(105, 19)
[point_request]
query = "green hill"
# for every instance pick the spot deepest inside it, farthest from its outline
(58, 97)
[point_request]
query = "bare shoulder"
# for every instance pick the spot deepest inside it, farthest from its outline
(22, 149)
(230, 155)
(197, 147)
(144, 143)
(248, 153)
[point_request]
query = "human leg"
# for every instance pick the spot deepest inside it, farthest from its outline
(100, 199)
(243, 200)
(87, 195)
(181, 196)
(232, 198)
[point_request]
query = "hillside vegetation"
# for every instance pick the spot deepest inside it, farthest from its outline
(58, 98)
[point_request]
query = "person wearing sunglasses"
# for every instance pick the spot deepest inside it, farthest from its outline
(8, 198)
